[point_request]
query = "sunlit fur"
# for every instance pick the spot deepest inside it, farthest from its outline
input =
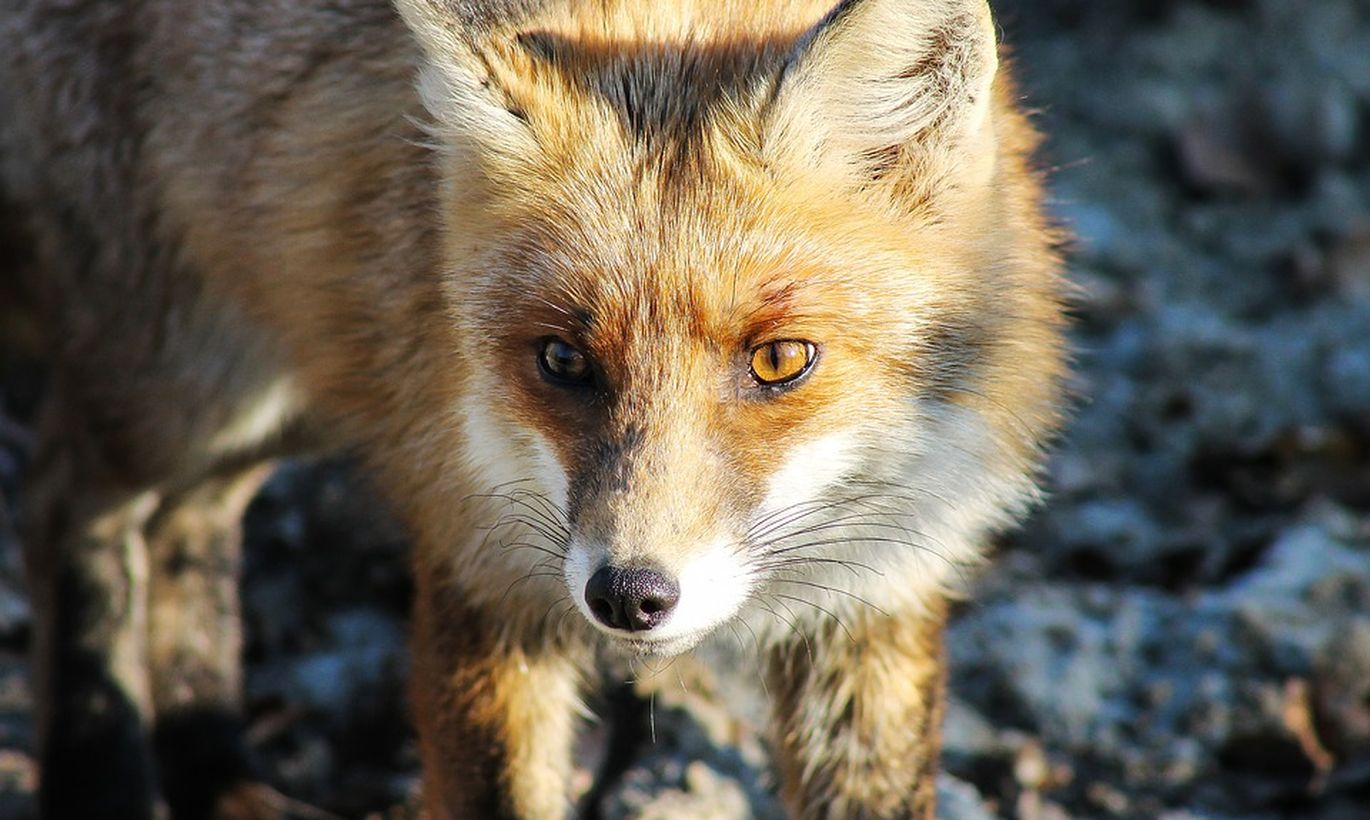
(667, 237)
(366, 224)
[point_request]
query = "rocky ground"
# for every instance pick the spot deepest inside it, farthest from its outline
(1184, 629)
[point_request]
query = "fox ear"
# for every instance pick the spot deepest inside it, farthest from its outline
(465, 80)
(891, 87)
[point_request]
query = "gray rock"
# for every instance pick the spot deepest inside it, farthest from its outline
(958, 800)
(365, 649)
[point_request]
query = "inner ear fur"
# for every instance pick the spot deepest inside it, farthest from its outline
(886, 88)
(464, 79)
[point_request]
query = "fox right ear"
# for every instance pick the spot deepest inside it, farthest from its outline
(466, 82)
(891, 87)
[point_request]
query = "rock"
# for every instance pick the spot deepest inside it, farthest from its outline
(1341, 690)
(365, 649)
(681, 789)
(966, 733)
(958, 800)
(1309, 120)
(1219, 153)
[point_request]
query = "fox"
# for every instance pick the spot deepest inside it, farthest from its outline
(651, 321)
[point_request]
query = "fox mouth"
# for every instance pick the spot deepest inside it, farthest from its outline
(648, 645)
(659, 647)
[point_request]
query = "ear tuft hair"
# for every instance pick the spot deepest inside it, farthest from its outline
(881, 86)
(459, 80)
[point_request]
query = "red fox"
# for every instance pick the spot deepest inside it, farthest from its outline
(649, 318)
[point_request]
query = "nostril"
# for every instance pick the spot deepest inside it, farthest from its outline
(603, 603)
(603, 610)
(648, 597)
(632, 599)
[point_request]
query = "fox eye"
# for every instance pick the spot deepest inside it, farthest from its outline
(563, 363)
(781, 362)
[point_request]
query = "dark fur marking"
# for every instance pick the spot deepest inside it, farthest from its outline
(484, 15)
(96, 763)
(952, 356)
(201, 757)
(609, 468)
(641, 82)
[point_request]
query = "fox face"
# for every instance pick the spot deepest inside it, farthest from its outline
(750, 326)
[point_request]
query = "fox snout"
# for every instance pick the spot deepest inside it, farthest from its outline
(662, 607)
(632, 599)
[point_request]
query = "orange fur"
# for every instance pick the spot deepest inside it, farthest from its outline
(290, 241)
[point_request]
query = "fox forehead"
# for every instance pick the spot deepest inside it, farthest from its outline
(729, 258)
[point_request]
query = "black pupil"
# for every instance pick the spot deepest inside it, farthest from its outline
(775, 358)
(564, 360)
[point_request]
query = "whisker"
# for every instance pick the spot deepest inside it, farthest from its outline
(732, 627)
(554, 512)
(517, 505)
(760, 672)
(808, 647)
(825, 611)
(561, 622)
(511, 499)
(850, 566)
(842, 523)
(548, 525)
(794, 513)
(814, 506)
(924, 492)
(493, 490)
(827, 588)
(525, 577)
(562, 599)
(556, 537)
(868, 539)
(525, 545)
(786, 515)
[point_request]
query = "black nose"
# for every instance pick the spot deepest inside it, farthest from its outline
(631, 599)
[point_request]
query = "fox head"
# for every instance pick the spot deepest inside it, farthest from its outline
(757, 313)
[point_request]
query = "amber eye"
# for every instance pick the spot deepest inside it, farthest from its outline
(780, 362)
(563, 363)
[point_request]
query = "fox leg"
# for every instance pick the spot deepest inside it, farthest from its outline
(87, 565)
(195, 647)
(496, 714)
(858, 711)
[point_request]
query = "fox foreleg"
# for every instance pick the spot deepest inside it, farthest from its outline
(496, 714)
(858, 708)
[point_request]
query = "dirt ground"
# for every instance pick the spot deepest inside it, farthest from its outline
(1183, 630)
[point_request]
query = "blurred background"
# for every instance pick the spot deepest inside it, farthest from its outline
(1183, 630)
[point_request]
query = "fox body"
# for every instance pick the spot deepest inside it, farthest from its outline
(648, 319)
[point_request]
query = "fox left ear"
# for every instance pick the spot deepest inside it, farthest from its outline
(464, 80)
(891, 87)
